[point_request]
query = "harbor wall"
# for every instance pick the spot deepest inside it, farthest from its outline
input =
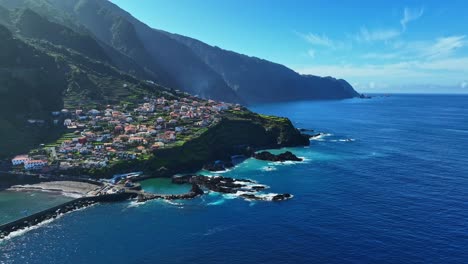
(53, 212)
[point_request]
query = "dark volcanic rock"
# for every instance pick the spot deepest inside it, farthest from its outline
(218, 166)
(214, 167)
(276, 198)
(316, 135)
(281, 197)
(196, 189)
(181, 179)
(288, 155)
(229, 185)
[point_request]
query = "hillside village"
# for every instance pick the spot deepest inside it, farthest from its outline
(97, 137)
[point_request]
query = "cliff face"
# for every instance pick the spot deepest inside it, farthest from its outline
(233, 135)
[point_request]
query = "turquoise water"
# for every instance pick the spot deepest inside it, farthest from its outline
(164, 186)
(388, 184)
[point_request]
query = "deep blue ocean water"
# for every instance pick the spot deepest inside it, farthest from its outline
(388, 184)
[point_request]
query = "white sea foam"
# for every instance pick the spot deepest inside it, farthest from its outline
(229, 196)
(347, 140)
(218, 202)
(135, 203)
(284, 163)
(171, 202)
(268, 168)
(23, 231)
(211, 193)
(218, 172)
(321, 136)
(269, 196)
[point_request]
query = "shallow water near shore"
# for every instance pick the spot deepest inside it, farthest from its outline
(386, 184)
(164, 186)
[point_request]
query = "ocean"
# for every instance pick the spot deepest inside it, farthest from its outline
(387, 183)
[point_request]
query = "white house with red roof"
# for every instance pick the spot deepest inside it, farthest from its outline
(20, 159)
(35, 164)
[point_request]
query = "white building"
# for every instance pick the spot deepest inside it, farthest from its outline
(21, 159)
(35, 164)
(67, 122)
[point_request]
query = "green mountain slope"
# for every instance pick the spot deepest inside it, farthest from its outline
(33, 25)
(37, 77)
(151, 49)
(188, 64)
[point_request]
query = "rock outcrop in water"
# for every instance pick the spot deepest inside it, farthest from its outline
(218, 166)
(286, 156)
(245, 188)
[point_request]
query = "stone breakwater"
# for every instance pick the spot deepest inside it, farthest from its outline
(56, 211)
(247, 189)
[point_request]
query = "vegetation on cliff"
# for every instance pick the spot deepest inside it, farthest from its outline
(239, 132)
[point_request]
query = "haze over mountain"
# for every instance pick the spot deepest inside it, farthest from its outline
(172, 60)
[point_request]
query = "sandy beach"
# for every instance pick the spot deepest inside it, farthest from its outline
(69, 188)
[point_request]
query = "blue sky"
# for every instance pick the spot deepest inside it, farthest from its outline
(378, 46)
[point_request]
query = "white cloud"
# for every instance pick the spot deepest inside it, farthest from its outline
(376, 35)
(410, 14)
(318, 40)
(380, 56)
(440, 71)
(434, 50)
(444, 47)
(391, 61)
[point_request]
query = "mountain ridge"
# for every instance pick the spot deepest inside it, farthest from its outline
(188, 64)
(265, 72)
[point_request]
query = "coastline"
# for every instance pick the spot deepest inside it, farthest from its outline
(219, 143)
(87, 194)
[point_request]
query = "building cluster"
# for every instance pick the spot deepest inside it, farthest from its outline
(97, 137)
(29, 163)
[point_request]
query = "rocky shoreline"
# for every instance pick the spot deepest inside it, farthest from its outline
(245, 188)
